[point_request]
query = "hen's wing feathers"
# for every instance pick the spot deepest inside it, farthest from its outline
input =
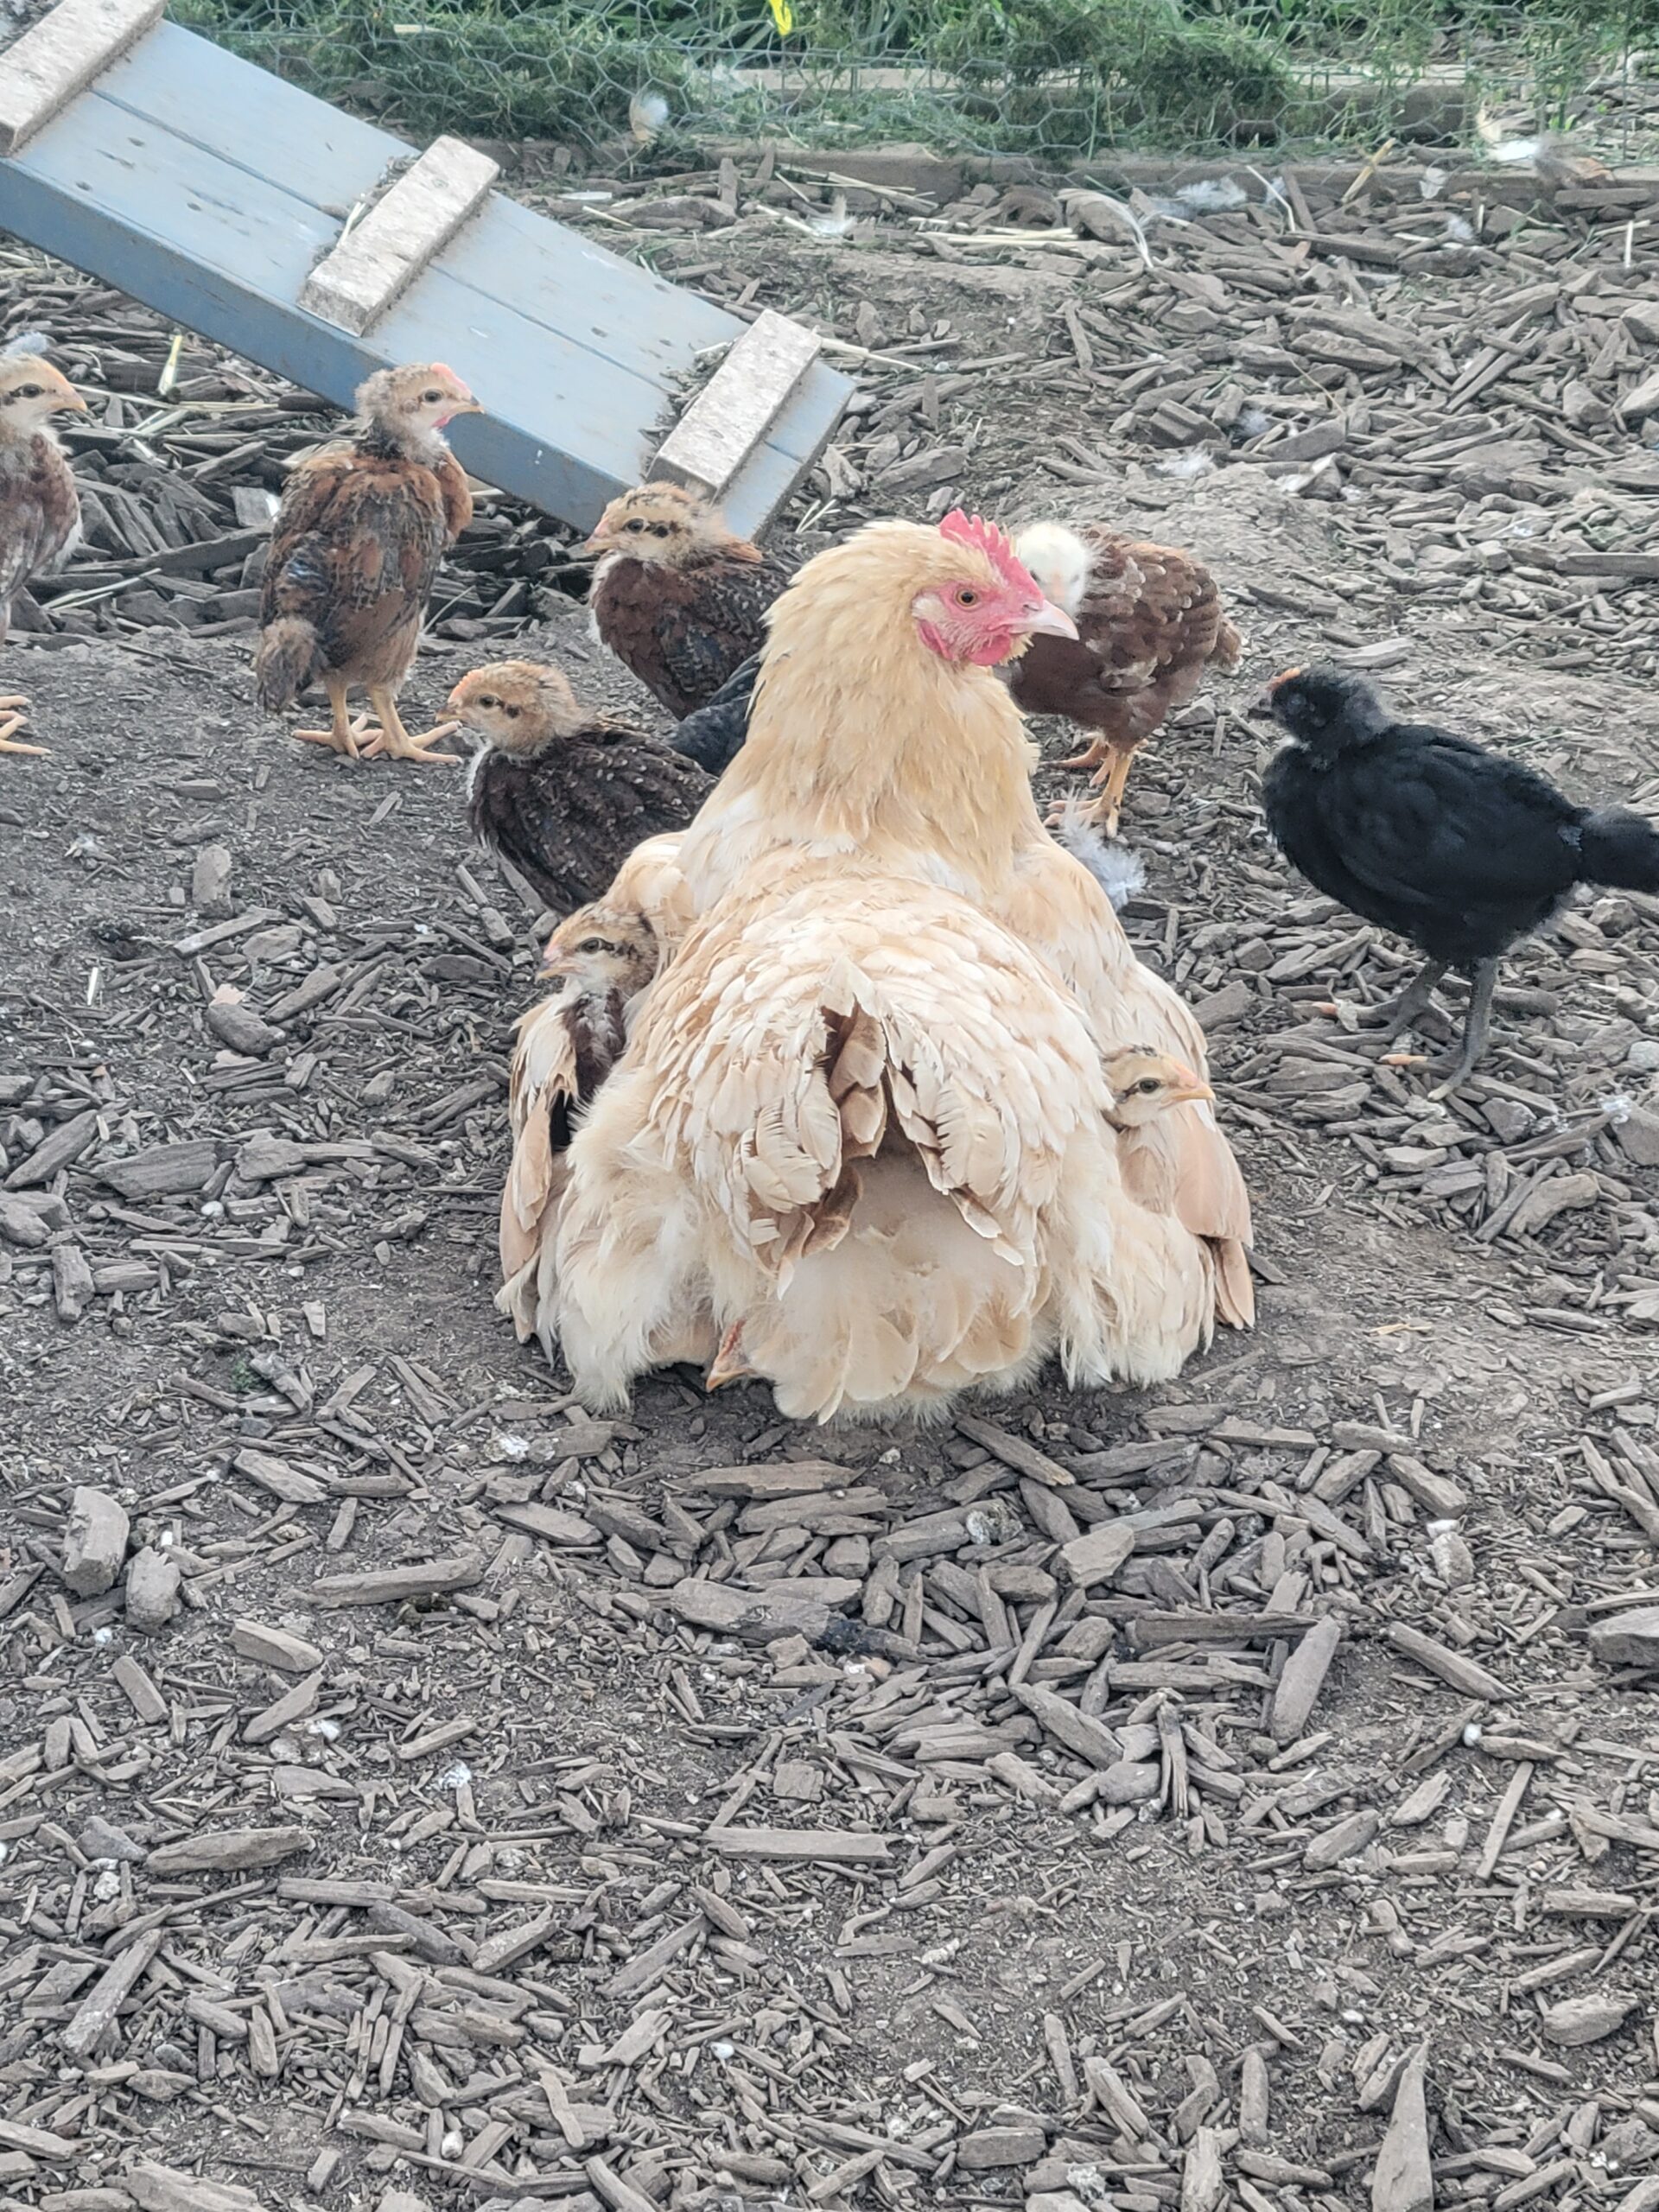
(784, 1053)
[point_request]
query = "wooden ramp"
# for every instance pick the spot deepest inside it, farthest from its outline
(224, 199)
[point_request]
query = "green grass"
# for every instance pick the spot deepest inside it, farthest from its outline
(1055, 78)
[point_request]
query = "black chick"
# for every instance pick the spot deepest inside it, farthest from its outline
(1459, 850)
(562, 794)
(713, 734)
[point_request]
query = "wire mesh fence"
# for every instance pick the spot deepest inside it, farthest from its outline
(1058, 79)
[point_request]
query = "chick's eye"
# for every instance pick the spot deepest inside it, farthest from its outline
(636, 525)
(28, 391)
(431, 399)
(488, 699)
(591, 945)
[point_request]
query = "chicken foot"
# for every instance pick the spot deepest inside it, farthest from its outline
(343, 734)
(1477, 1022)
(1395, 1015)
(15, 711)
(1097, 754)
(391, 741)
(1108, 806)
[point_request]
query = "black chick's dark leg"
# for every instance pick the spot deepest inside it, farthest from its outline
(1396, 1015)
(1476, 1027)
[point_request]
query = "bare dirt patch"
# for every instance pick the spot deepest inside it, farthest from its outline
(966, 1881)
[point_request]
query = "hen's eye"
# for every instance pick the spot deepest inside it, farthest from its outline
(967, 597)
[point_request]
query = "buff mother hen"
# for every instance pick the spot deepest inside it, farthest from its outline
(859, 1148)
(881, 740)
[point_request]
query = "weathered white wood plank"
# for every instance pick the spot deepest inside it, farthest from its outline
(731, 415)
(354, 285)
(60, 55)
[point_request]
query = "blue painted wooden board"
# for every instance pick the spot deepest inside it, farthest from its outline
(208, 189)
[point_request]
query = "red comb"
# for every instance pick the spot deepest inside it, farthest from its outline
(990, 539)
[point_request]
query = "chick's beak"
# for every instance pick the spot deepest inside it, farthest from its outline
(1050, 621)
(71, 402)
(591, 548)
(1186, 1092)
(728, 1364)
(1262, 709)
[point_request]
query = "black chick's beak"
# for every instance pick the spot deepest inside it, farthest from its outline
(1266, 708)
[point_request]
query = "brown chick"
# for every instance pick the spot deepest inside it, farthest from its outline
(362, 528)
(39, 508)
(1149, 623)
(677, 597)
(1205, 1196)
(562, 793)
(599, 961)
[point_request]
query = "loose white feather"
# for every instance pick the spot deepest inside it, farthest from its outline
(1118, 871)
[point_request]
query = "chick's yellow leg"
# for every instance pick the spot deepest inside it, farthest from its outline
(1096, 755)
(13, 713)
(393, 741)
(340, 736)
(1109, 806)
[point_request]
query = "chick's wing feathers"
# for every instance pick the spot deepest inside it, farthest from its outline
(40, 514)
(1150, 608)
(683, 632)
(568, 816)
(355, 551)
(1420, 822)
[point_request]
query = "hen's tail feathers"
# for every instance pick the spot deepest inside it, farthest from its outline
(1620, 850)
(1119, 871)
(1230, 646)
(285, 660)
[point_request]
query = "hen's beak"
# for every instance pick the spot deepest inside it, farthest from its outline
(1053, 622)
